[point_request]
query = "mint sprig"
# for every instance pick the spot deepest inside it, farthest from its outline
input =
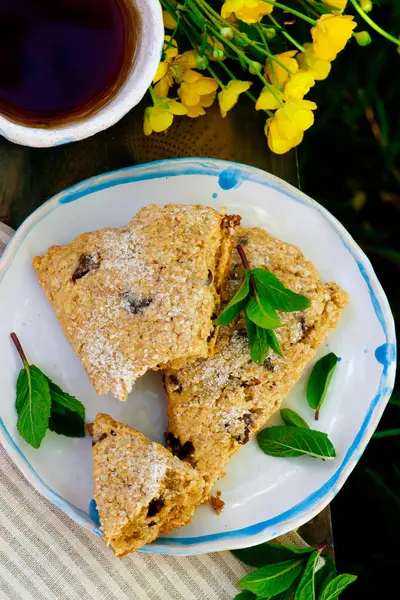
(41, 404)
(288, 573)
(319, 381)
(260, 296)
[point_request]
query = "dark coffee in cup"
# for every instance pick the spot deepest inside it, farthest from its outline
(63, 60)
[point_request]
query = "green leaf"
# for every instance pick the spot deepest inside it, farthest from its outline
(272, 579)
(319, 380)
(324, 575)
(33, 405)
(278, 296)
(259, 556)
(69, 424)
(262, 314)
(233, 308)
(58, 396)
(67, 415)
(337, 586)
(257, 340)
(287, 441)
(289, 593)
(306, 587)
(245, 595)
(273, 342)
(292, 418)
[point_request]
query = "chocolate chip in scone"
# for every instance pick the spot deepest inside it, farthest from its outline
(303, 327)
(100, 439)
(155, 507)
(210, 278)
(242, 333)
(112, 432)
(248, 421)
(86, 264)
(268, 364)
(151, 524)
(182, 451)
(175, 384)
(133, 304)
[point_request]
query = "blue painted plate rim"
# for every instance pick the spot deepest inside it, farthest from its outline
(232, 174)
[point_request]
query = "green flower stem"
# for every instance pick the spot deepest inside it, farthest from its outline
(286, 34)
(249, 62)
(292, 10)
(152, 94)
(374, 25)
(215, 76)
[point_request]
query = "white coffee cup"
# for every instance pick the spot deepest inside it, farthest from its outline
(147, 58)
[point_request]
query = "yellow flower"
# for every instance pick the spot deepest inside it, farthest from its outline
(298, 85)
(277, 74)
(331, 34)
(169, 21)
(269, 100)
(285, 129)
(230, 95)
(160, 116)
(309, 61)
(249, 11)
(194, 86)
(171, 70)
(338, 5)
(205, 102)
(170, 48)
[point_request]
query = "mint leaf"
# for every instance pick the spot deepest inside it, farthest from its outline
(233, 308)
(259, 556)
(277, 295)
(67, 415)
(319, 380)
(58, 396)
(257, 340)
(245, 595)
(286, 441)
(306, 587)
(324, 575)
(273, 342)
(337, 586)
(68, 423)
(290, 417)
(272, 579)
(289, 593)
(262, 314)
(32, 404)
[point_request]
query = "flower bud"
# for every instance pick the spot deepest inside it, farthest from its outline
(363, 38)
(366, 5)
(255, 67)
(218, 54)
(270, 33)
(227, 33)
(201, 62)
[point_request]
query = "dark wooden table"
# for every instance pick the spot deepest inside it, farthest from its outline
(30, 176)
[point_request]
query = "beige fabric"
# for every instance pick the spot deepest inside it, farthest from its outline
(44, 555)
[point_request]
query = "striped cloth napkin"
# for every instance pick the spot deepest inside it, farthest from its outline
(44, 555)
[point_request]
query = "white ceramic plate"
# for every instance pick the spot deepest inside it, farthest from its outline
(264, 496)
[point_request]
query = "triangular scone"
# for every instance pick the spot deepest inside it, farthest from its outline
(215, 405)
(139, 297)
(140, 489)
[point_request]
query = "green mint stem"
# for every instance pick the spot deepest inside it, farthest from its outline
(246, 265)
(19, 348)
(374, 25)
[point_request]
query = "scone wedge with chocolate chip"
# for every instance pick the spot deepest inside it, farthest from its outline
(216, 404)
(142, 296)
(140, 489)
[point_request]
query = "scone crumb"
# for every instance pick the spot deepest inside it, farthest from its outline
(217, 504)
